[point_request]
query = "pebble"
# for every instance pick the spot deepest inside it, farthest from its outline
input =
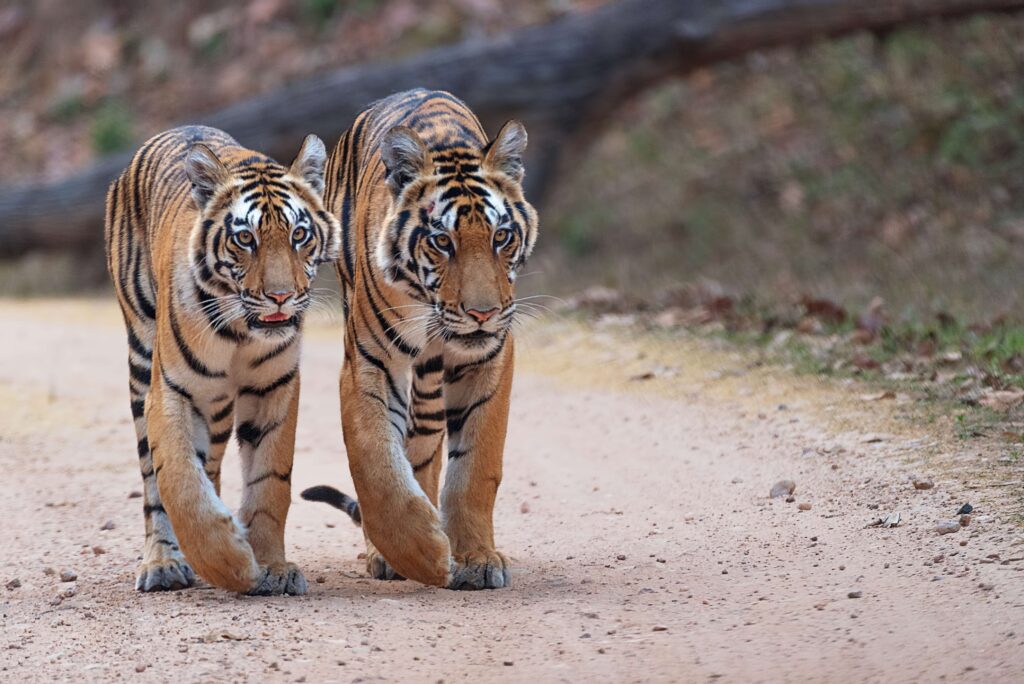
(109, 525)
(986, 586)
(790, 499)
(965, 520)
(782, 488)
(948, 526)
(49, 571)
(804, 506)
(659, 628)
(98, 550)
(923, 484)
(855, 594)
(524, 507)
(965, 509)
(140, 668)
(135, 494)
(507, 663)
(13, 584)
(621, 557)
(68, 576)
(320, 579)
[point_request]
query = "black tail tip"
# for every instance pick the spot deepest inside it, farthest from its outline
(333, 497)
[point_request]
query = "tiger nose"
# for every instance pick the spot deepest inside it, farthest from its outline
(481, 316)
(281, 297)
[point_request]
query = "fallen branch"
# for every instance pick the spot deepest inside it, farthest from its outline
(562, 79)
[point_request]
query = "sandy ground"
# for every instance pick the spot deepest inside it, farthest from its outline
(646, 547)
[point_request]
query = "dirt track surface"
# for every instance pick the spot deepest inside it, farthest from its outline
(646, 548)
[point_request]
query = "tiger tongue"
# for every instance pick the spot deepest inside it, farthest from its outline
(275, 317)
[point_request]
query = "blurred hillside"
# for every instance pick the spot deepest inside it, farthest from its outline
(871, 165)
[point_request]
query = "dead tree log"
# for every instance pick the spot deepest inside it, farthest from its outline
(560, 79)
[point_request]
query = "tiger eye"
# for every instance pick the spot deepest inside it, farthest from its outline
(298, 235)
(443, 241)
(244, 238)
(501, 235)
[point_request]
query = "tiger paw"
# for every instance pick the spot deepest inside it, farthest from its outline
(484, 569)
(283, 578)
(165, 574)
(378, 568)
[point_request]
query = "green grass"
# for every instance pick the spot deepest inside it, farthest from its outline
(112, 128)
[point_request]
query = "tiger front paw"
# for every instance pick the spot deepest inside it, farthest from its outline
(165, 574)
(483, 569)
(283, 578)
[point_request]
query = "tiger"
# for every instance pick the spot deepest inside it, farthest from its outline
(435, 228)
(212, 249)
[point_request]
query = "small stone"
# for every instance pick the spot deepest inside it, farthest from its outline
(140, 668)
(68, 593)
(965, 520)
(814, 539)
(790, 499)
(524, 507)
(963, 542)
(804, 506)
(13, 584)
(135, 494)
(923, 483)
(98, 550)
(659, 560)
(68, 576)
(737, 480)
(986, 586)
(49, 571)
(782, 488)
(659, 628)
(320, 579)
(621, 557)
(109, 525)
(855, 594)
(507, 663)
(965, 509)
(948, 526)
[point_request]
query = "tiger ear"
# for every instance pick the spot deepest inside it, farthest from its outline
(309, 163)
(206, 172)
(505, 152)
(404, 156)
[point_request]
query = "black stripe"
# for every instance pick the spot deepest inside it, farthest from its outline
(138, 408)
(256, 363)
(186, 352)
(434, 364)
(457, 417)
(223, 413)
(267, 389)
(139, 374)
(220, 437)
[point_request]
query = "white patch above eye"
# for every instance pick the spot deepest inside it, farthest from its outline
(448, 221)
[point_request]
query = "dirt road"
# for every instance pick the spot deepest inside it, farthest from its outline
(646, 547)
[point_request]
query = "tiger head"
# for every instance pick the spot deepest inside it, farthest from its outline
(458, 231)
(261, 235)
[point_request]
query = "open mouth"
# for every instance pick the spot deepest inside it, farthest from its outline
(274, 320)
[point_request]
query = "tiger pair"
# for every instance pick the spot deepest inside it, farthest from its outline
(213, 248)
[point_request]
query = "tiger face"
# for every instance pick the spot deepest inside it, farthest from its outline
(261, 235)
(458, 232)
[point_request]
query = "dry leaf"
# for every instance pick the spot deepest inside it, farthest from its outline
(887, 394)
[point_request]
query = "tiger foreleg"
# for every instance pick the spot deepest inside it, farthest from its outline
(266, 433)
(398, 518)
(477, 420)
(214, 544)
